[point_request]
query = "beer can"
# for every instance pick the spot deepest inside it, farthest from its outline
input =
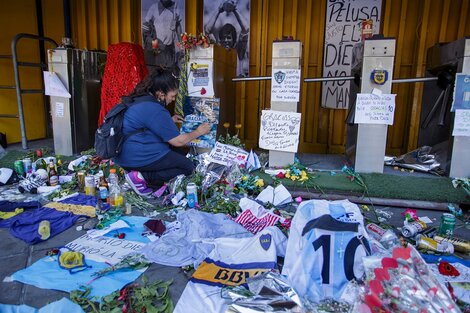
(191, 195)
(81, 181)
(19, 167)
(430, 244)
(90, 185)
(447, 224)
(460, 245)
(27, 164)
(413, 228)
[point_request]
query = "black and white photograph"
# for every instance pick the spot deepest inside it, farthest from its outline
(227, 22)
(162, 24)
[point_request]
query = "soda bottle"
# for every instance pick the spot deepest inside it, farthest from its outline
(102, 187)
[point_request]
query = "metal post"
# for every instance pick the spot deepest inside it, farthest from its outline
(24, 142)
(371, 139)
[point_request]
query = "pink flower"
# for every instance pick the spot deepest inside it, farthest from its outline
(298, 199)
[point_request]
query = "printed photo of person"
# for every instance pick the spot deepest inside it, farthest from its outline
(227, 22)
(162, 24)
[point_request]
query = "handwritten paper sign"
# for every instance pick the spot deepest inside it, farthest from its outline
(59, 109)
(227, 154)
(285, 85)
(53, 86)
(103, 249)
(375, 109)
(461, 123)
(279, 130)
(461, 92)
(342, 32)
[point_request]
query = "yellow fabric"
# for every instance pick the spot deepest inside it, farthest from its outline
(6, 215)
(86, 210)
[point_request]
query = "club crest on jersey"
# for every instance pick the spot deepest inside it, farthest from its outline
(279, 77)
(265, 241)
(379, 77)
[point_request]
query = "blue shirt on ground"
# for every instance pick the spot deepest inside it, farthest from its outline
(151, 145)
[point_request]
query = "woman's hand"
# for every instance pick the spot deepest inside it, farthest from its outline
(177, 118)
(203, 129)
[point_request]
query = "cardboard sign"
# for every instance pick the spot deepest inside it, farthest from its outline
(227, 154)
(285, 85)
(279, 130)
(103, 249)
(342, 33)
(375, 109)
(461, 93)
(461, 123)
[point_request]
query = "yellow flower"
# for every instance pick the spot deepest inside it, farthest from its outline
(288, 174)
(303, 178)
(245, 177)
(294, 177)
(259, 183)
(59, 162)
(226, 125)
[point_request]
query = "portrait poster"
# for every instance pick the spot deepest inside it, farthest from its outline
(227, 22)
(342, 33)
(199, 110)
(162, 23)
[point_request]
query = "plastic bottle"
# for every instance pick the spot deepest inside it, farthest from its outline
(115, 197)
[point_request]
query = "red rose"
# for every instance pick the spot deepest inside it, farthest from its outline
(445, 268)
(203, 91)
(122, 236)
(281, 175)
(39, 153)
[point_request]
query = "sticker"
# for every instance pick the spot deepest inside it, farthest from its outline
(379, 77)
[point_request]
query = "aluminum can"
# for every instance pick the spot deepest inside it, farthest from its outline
(375, 231)
(191, 195)
(27, 164)
(447, 224)
(413, 228)
(430, 244)
(90, 185)
(19, 167)
(81, 181)
(460, 245)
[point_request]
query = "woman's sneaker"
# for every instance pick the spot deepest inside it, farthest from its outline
(138, 184)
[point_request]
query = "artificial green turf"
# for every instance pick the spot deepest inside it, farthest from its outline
(438, 189)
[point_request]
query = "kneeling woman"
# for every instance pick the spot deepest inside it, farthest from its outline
(148, 156)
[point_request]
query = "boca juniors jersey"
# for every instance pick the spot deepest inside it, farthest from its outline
(231, 263)
(327, 241)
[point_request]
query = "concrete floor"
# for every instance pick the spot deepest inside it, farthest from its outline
(15, 254)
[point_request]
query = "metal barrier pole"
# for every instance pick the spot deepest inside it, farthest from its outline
(24, 141)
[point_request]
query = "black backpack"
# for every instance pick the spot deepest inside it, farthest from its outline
(109, 137)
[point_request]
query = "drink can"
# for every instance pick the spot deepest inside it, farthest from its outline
(460, 245)
(19, 167)
(27, 164)
(430, 244)
(81, 181)
(90, 186)
(447, 224)
(191, 195)
(413, 228)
